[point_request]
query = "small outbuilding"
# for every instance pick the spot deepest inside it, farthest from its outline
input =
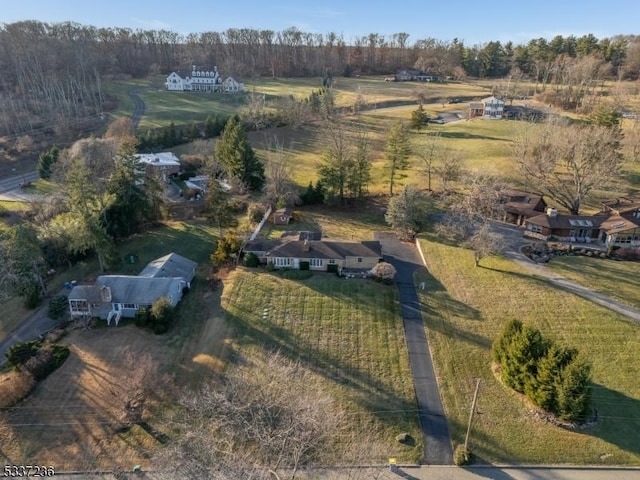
(282, 216)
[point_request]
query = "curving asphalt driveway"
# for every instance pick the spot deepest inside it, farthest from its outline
(511, 243)
(138, 107)
(433, 423)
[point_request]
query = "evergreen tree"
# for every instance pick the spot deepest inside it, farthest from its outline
(574, 391)
(217, 207)
(209, 127)
(236, 156)
(194, 132)
(397, 151)
(46, 161)
(135, 198)
(419, 118)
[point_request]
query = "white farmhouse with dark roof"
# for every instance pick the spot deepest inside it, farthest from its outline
(202, 81)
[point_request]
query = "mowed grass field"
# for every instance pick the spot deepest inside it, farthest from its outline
(619, 280)
(349, 332)
(465, 309)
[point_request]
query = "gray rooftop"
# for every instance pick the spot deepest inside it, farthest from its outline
(171, 265)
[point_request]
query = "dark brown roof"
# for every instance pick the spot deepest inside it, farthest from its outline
(622, 205)
(326, 249)
(261, 245)
(620, 223)
(567, 221)
(521, 202)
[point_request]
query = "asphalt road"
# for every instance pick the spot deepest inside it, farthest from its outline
(433, 423)
(13, 183)
(425, 473)
(138, 107)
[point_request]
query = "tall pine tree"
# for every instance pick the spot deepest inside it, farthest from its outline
(236, 156)
(397, 152)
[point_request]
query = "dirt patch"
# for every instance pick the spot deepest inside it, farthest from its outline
(72, 418)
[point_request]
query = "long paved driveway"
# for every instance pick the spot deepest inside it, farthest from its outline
(139, 107)
(433, 423)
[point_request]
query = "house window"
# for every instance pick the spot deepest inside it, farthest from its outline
(282, 262)
(331, 262)
(131, 306)
(534, 228)
(315, 262)
(359, 260)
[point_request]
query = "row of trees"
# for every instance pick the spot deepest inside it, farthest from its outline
(553, 377)
(104, 199)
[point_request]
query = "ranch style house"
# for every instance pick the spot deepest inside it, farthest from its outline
(115, 296)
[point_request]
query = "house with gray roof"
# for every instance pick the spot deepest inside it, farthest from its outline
(113, 297)
(321, 255)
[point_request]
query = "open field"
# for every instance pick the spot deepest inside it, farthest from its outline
(163, 107)
(348, 331)
(619, 280)
(464, 310)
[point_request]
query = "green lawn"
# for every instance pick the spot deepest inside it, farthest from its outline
(465, 308)
(349, 332)
(337, 224)
(619, 280)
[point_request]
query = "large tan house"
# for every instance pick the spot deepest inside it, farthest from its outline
(306, 251)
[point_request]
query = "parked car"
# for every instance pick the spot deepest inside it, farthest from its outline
(455, 100)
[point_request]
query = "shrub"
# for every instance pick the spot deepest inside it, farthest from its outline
(251, 260)
(143, 317)
(161, 315)
(270, 267)
(296, 274)
(553, 377)
(46, 361)
(227, 248)
(304, 265)
(383, 271)
(461, 456)
(31, 297)
(16, 385)
(20, 352)
(57, 307)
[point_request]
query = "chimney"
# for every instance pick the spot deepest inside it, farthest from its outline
(552, 212)
(305, 246)
(105, 294)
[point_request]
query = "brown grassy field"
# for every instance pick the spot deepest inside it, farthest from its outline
(71, 419)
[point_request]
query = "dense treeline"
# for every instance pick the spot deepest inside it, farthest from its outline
(52, 72)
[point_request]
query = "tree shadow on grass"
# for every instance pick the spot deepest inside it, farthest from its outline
(368, 391)
(616, 419)
(469, 136)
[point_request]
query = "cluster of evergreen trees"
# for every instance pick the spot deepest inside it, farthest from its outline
(553, 377)
(166, 137)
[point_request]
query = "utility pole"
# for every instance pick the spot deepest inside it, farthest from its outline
(473, 409)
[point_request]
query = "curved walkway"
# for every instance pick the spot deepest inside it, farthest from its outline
(138, 107)
(433, 423)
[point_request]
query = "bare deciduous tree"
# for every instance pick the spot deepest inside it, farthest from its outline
(566, 163)
(483, 242)
(252, 423)
(279, 188)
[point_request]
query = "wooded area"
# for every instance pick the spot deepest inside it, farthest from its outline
(53, 72)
